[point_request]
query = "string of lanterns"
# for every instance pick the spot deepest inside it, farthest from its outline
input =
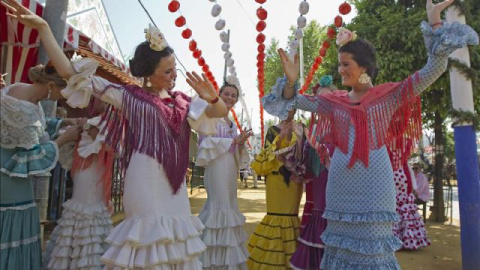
(262, 15)
(344, 9)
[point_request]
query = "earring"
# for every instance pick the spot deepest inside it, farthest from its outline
(49, 92)
(149, 84)
(364, 78)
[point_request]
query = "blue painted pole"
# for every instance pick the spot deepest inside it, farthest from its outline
(469, 195)
(466, 158)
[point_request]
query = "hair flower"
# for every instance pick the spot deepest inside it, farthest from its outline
(326, 80)
(345, 36)
(155, 38)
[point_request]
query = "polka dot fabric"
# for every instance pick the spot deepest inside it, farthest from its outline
(410, 229)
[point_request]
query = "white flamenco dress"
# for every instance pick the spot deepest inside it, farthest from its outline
(159, 232)
(78, 241)
(224, 234)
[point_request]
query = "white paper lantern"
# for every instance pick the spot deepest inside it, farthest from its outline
(212, 0)
(304, 7)
(220, 24)
(230, 62)
(225, 46)
(294, 44)
(224, 36)
(298, 33)
(227, 55)
(301, 22)
(216, 10)
(232, 69)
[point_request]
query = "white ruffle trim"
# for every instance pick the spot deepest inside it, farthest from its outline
(198, 120)
(164, 242)
(225, 257)
(226, 237)
(79, 87)
(78, 241)
(211, 148)
(224, 218)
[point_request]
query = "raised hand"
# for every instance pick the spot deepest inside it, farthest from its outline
(291, 68)
(202, 86)
(244, 135)
(23, 15)
(434, 10)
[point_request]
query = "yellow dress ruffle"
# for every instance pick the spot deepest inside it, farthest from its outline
(266, 161)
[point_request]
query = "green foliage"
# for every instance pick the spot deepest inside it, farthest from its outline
(313, 36)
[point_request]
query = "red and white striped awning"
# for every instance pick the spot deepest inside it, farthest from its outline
(19, 45)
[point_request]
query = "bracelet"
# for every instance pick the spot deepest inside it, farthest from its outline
(290, 85)
(215, 100)
(435, 24)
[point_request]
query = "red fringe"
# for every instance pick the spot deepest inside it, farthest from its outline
(384, 116)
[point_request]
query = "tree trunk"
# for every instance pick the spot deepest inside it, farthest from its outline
(438, 208)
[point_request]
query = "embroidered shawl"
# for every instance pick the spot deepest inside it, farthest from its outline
(152, 126)
(384, 114)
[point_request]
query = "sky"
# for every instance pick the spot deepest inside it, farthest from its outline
(129, 20)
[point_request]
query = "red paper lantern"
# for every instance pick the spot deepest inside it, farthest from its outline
(326, 44)
(187, 33)
(323, 52)
(331, 32)
(197, 53)
(318, 60)
(260, 38)
(338, 21)
(261, 48)
(260, 1)
(180, 21)
(344, 8)
(173, 6)
(261, 26)
(262, 13)
(192, 45)
(260, 56)
(201, 61)
(205, 68)
(315, 65)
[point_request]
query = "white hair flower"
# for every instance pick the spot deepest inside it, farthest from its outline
(155, 38)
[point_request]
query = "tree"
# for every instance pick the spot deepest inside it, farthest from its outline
(393, 28)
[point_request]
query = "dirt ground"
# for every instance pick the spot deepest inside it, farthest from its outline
(443, 254)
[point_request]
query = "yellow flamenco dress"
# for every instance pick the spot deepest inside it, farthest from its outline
(275, 239)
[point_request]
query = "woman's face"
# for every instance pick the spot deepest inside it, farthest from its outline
(229, 95)
(349, 69)
(165, 74)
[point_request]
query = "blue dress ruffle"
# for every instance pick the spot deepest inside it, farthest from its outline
(36, 161)
(275, 104)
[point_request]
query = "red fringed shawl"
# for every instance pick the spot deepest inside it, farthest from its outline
(104, 166)
(152, 126)
(387, 112)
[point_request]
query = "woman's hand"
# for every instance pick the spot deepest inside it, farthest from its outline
(291, 68)
(23, 15)
(75, 121)
(434, 11)
(244, 135)
(202, 86)
(71, 134)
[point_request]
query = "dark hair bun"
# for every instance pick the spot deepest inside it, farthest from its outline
(364, 54)
(145, 60)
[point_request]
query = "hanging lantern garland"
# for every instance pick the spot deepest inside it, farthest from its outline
(262, 15)
(344, 9)
(181, 21)
(232, 79)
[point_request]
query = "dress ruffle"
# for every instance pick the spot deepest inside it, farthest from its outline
(363, 246)
(37, 161)
(310, 247)
(198, 120)
(410, 229)
(211, 148)
(344, 259)
(273, 243)
(78, 241)
(446, 39)
(380, 216)
(275, 104)
(223, 218)
(156, 243)
(79, 87)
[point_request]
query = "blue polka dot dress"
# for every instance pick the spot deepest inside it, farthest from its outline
(361, 198)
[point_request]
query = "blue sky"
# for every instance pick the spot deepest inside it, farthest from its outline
(128, 21)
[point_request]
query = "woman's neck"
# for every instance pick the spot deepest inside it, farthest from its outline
(162, 93)
(36, 93)
(358, 91)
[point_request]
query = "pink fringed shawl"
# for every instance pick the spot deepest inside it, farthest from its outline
(386, 113)
(152, 126)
